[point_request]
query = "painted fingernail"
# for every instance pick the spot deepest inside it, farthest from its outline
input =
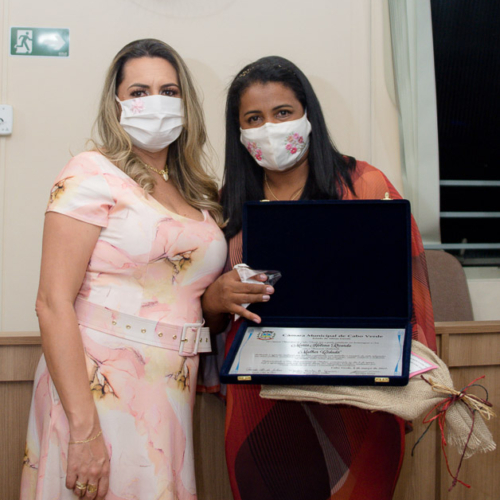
(265, 298)
(262, 277)
(269, 289)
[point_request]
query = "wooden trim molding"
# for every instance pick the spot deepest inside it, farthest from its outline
(467, 327)
(20, 338)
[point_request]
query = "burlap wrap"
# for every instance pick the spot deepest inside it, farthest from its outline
(409, 403)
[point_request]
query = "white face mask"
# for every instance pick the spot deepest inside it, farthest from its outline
(278, 146)
(152, 122)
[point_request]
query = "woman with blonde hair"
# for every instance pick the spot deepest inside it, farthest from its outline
(131, 240)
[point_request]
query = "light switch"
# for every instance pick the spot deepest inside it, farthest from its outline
(6, 118)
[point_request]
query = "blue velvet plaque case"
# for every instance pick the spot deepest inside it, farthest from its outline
(344, 264)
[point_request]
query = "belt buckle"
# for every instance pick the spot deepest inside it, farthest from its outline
(198, 327)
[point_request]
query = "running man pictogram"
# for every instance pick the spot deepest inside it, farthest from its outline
(24, 43)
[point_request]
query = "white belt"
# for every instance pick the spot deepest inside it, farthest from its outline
(188, 340)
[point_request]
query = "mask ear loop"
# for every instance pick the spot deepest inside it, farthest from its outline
(119, 109)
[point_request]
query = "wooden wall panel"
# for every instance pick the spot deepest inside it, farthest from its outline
(474, 350)
(20, 364)
(15, 398)
(212, 479)
(19, 357)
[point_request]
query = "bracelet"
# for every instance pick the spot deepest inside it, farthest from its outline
(87, 440)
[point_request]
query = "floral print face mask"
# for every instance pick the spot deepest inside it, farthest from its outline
(278, 146)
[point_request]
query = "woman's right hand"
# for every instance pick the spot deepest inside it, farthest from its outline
(227, 294)
(88, 464)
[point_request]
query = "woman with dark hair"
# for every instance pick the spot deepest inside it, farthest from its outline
(278, 148)
(129, 246)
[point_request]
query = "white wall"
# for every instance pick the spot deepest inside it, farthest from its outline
(340, 44)
(484, 289)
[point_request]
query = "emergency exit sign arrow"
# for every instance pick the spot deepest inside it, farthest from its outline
(48, 42)
(54, 41)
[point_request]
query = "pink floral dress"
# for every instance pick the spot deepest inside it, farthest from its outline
(149, 263)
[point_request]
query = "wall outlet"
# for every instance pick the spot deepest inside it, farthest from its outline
(6, 119)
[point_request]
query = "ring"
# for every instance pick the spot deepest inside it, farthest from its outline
(80, 486)
(91, 488)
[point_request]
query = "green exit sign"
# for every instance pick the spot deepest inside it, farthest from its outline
(51, 42)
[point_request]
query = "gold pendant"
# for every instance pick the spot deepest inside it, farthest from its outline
(165, 175)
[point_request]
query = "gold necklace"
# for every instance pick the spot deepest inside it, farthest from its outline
(163, 173)
(295, 194)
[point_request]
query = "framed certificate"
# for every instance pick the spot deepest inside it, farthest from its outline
(341, 312)
(320, 352)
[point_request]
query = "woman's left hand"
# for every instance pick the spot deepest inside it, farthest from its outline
(88, 465)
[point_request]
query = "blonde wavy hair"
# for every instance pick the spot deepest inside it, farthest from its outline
(187, 161)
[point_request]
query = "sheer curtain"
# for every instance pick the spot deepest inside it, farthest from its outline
(413, 56)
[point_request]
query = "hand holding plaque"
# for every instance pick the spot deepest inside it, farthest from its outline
(247, 275)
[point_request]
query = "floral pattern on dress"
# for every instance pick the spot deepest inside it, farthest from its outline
(57, 189)
(294, 143)
(172, 246)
